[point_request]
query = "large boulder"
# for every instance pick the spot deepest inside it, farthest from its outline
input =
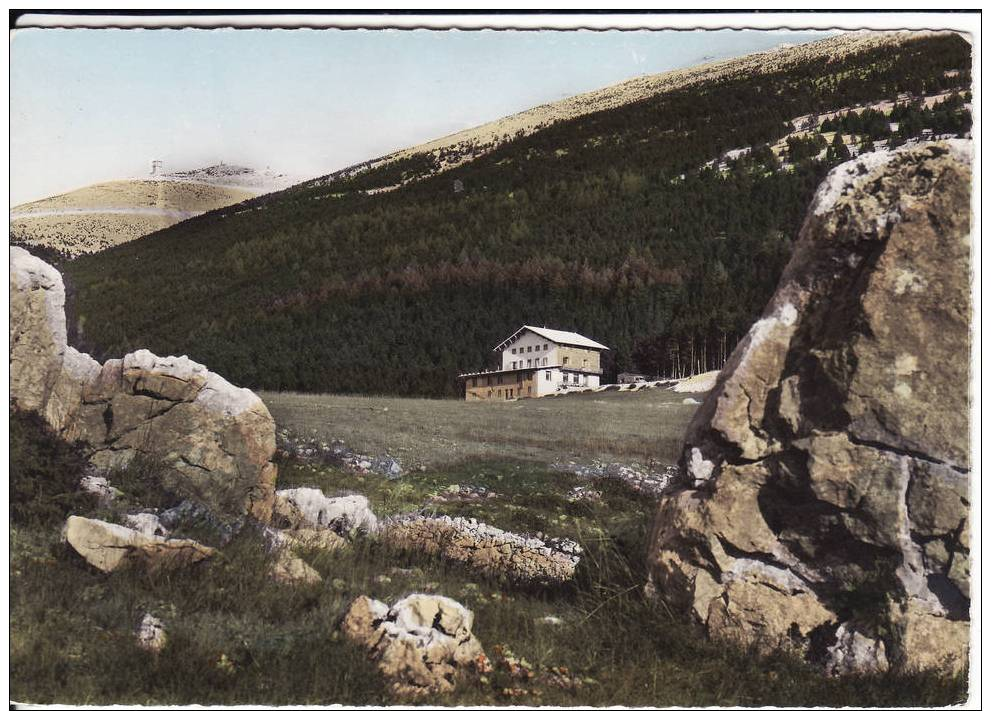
(823, 494)
(214, 441)
(422, 643)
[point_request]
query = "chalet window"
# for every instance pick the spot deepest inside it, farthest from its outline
(545, 360)
(513, 364)
(529, 362)
(565, 360)
(547, 375)
(584, 362)
(545, 346)
(499, 392)
(529, 349)
(514, 351)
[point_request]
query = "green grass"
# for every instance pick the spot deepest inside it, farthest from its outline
(236, 637)
(528, 497)
(640, 427)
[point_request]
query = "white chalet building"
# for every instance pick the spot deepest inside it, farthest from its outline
(537, 362)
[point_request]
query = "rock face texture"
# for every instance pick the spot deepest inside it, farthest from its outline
(109, 547)
(214, 441)
(422, 643)
(485, 548)
(823, 496)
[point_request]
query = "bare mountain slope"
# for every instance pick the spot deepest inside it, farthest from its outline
(102, 215)
(457, 148)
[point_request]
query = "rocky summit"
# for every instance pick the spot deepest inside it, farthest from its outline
(215, 441)
(823, 493)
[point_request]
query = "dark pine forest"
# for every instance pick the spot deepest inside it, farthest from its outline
(614, 224)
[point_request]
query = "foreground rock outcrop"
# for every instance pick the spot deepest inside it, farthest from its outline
(214, 441)
(824, 487)
(422, 643)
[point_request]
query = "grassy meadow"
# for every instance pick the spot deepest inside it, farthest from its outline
(645, 426)
(238, 637)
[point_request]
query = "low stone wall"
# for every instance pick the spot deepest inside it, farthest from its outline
(484, 548)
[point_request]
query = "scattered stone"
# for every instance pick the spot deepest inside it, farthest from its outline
(146, 523)
(109, 547)
(191, 514)
(100, 488)
(423, 643)
(586, 494)
(832, 454)
(214, 441)
(151, 634)
(388, 467)
(690, 401)
(649, 481)
(290, 569)
(485, 548)
(462, 492)
(307, 507)
(337, 455)
(550, 620)
(320, 538)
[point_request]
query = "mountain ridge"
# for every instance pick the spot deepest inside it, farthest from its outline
(612, 96)
(658, 228)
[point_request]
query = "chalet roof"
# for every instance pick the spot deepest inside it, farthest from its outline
(564, 338)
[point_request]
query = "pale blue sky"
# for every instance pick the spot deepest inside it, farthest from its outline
(91, 105)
